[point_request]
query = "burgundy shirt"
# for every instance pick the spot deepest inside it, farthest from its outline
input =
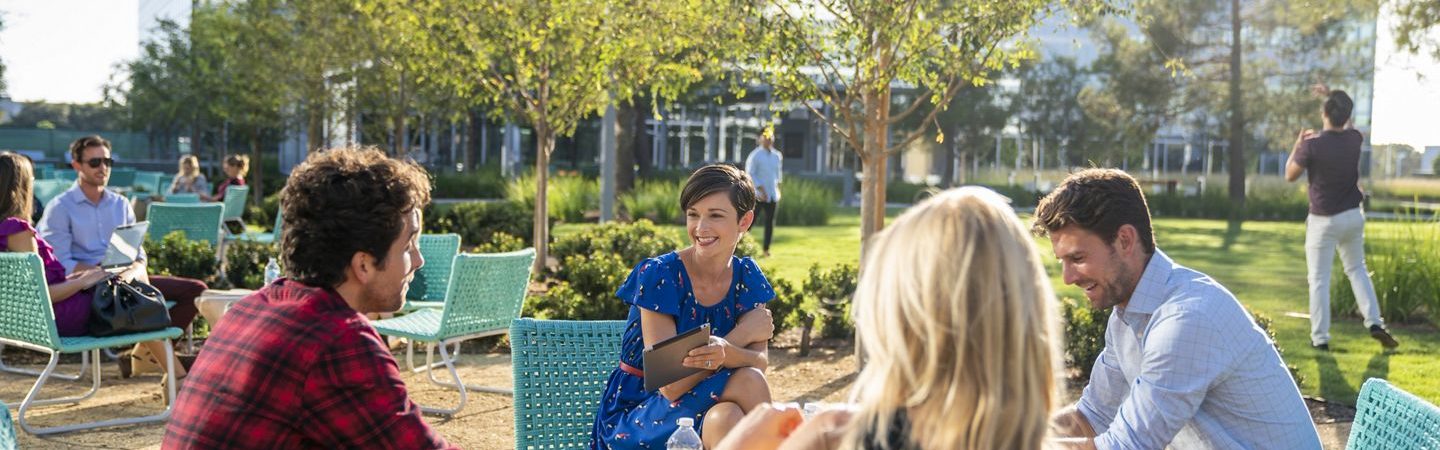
(1332, 164)
(220, 190)
(293, 366)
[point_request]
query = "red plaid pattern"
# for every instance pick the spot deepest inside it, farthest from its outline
(293, 366)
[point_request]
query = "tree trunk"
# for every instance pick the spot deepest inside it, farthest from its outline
(644, 142)
(544, 143)
(1237, 121)
(874, 160)
(626, 144)
(257, 175)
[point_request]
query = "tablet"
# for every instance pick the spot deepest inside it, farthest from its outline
(124, 246)
(662, 360)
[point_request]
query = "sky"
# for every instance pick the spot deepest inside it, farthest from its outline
(65, 50)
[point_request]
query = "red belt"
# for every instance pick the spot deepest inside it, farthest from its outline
(632, 370)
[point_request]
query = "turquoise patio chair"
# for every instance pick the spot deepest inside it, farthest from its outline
(486, 293)
(235, 197)
(123, 177)
(166, 180)
(7, 429)
(560, 367)
(1387, 417)
(27, 320)
(199, 222)
(428, 288)
(66, 174)
(188, 199)
(44, 172)
(46, 190)
(148, 180)
(274, 235)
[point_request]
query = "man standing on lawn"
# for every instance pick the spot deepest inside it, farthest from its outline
(765, 166)
(1184, 364)
(296, 364)
(1336, 221)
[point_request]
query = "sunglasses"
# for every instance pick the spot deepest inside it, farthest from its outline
(96, 162)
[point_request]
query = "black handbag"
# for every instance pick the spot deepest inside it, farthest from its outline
(123, 308)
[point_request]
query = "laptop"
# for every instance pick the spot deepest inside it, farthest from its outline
(124, 248)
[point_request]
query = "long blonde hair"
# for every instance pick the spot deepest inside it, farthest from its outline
(958, 321)
(189, 166)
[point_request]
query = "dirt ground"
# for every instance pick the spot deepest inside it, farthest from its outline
(487, 422)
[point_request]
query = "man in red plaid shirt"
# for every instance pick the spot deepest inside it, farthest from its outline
(297, 365)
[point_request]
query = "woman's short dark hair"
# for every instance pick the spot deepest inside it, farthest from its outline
(1099, 201)
(719, 178)
(18, 181)
(77, 148)
(1338, 107)
(342, 201)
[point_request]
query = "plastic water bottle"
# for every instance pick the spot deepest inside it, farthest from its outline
(685, 437)
(272, 271)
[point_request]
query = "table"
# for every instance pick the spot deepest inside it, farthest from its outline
(213, 303)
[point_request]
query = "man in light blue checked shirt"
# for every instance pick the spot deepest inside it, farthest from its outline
(1184, 364)
(766, 166)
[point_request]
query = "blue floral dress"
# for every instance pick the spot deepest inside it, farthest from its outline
(631, 418)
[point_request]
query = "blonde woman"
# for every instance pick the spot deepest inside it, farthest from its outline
(236, 166)
(188, 180)
(957, 321)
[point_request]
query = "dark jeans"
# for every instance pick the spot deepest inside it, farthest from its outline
(768, 209)
(183, 292)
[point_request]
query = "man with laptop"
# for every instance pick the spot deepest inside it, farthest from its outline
(79, 223)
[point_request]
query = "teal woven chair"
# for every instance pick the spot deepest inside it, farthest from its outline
(123, 177)
(486, 293)
(200, 222)
(428, 288)
(66, 174)
(561, 367)
(46, 190)
(150, 181)
(166, 180)
(274, 234)
(235, 197)
(7, 429)
(1387, 417)
(27, 320)
(187, 199)
(44, 172)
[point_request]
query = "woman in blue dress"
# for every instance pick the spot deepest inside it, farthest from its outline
(704, 283)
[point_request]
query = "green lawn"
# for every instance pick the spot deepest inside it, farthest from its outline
(1264, 266)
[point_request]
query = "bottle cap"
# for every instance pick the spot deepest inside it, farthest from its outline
(686, 422)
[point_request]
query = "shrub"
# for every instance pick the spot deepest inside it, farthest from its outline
(587, 290)
(657, 201)
(477, 222)
(785, 307)
(826, 303)
(1404, 265)
(483, 183)
(245, 263)
(630, 242)
(747, 248)
(501, 242)
(1084, 334)
(1267, 325)
(568, 196)
(805, 203)
(176, 256)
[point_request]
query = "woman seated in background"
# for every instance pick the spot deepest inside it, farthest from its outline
(236, 166)
(188, 180)
(958, 325)
(69, 296)
(669, 294)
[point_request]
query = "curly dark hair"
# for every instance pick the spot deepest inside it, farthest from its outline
(1099, 201)
(342, 201)
(716, 178)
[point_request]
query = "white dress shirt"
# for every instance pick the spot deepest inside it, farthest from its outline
(765, 168)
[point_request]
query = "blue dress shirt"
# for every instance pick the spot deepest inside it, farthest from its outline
(80, 229)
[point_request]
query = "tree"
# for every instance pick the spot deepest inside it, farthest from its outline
(1418, 19)
(553, 63)
(862, 50)
(2, 65)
